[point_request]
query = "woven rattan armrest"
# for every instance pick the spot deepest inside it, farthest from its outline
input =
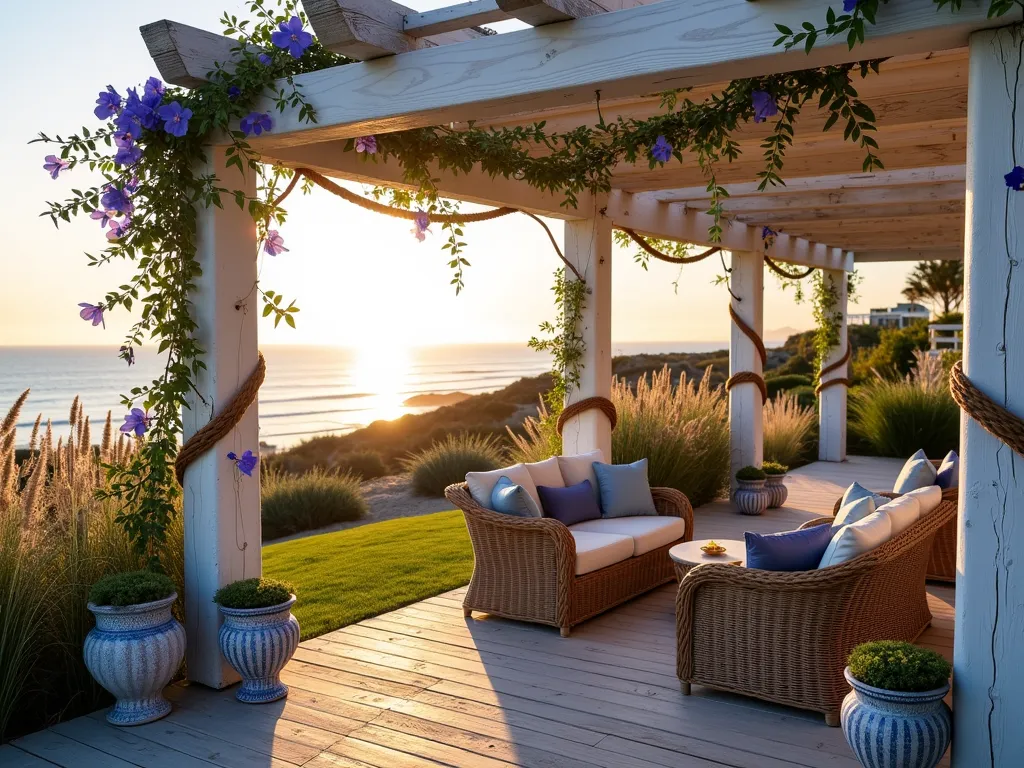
(672, 503)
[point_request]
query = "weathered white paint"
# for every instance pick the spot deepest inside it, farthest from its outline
(588, 246)
(673, 43)
(221, 506)
(832, 401)
(988, 677)
(931, 254)
(453, 17)
(746, 426)
(539, 12)
(185, 55)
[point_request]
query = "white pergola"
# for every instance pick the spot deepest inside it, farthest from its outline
(942, 196)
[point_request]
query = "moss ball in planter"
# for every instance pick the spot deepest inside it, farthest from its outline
(774, 468)
(132, 588)
(899, 666)
(750, 473)
(253, 593)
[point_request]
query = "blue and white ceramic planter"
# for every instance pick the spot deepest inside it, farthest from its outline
(133, 652)
(777, 491)
(751, 498)
(892, 729)
(258, 642)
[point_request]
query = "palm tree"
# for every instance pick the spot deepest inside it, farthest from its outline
(938, 281)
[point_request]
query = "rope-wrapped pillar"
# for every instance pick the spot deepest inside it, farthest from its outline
(833, 379)
(746, 361)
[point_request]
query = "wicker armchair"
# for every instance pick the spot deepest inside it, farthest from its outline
(525, 568)
(785, 636)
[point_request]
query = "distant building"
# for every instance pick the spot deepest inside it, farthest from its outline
(900, 316)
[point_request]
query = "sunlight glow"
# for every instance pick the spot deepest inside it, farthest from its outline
(383, 371)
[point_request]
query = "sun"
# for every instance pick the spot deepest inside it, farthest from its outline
(382, 371)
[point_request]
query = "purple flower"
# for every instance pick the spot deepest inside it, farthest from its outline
(115, 199)
(128, 124)
(128, 354)
(54, 165)
(256, 122)
(767, 232)
(175, 118)
(153, 85)
(850, 5)
(145, 108)
(662, 150)
(292, 37)
(131, 185)
(764, 106)
(102, 216)
(264, 59)
(422, 222)
(92, 313)
(367, 144)
(127, 151)
(107, 104)
(118, 228)
(274, 243)
(246, 463)
(136, 421)
(1014, 179)
(234, 92)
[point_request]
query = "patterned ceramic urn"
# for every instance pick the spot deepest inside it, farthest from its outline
(751, 498)
(891, 729)
(776, 490)
(258, 642)
(133, 652)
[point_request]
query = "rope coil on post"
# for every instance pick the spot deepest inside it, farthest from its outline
(221, 424)
(603, 404)
(1003, 425)
(823, 385)
(749, 377)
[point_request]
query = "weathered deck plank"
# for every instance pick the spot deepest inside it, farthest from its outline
(423, 686)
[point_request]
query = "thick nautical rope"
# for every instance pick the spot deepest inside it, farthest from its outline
(221, 424)
(993, 418)
(603, 404)
(823, 385)
(664, 256)
(749, 377)
(783, 273)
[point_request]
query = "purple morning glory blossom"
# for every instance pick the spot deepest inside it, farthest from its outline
(108, 104)
(128, 124)
(143, 108)
(92, 313)
(153, 85)
(115, 199)
(767, 232)
(292, 37)
(234, 92)
(256, 122)
(764, 106)
(850, 5)
(264, 59)
(422, 222)
(102, 216)
(118, 228)
(127, 152)
(136, 421)
(246, 463)
(54, 165)
(175, 118)
(128, 354)
(274, 244)
(367, 144)
(661, 150)
(1014, 179)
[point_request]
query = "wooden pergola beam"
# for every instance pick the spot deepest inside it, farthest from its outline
(453, 17)
(931, 254)
(186, 55)
(855, 203)
(536, 13)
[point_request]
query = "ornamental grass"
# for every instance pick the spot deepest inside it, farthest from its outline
(447, 461)
(314, 499)
(56, 541)
(788, 430)
(682, 431)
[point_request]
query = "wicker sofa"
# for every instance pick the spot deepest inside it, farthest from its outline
(785, 636)
(525, 568)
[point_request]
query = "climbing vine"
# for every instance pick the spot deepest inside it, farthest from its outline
(151, 159)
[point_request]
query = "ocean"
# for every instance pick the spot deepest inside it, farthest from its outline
(308, 390)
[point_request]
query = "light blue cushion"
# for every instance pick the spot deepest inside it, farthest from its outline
(948, 475)
(624, 490)
(511, 499)
(917, 473)
(789, 551)
(858, 491)
(855, 510)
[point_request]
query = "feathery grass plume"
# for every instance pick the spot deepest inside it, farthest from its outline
(79, 427)
(73, 413)
(108, 437)
(788, 428)
(85, 444)
(447, 461)
(31, 496)
(11, 419)
(69, 460)
(58, 461)
(8, 467)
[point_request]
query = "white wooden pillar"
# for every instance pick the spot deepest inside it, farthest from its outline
(988, 673)
(832, 400)
(746, 425)
(588, 246)
(221, 506)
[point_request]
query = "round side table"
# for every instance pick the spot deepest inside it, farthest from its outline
(688, 554)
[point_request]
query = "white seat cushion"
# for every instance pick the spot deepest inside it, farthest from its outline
(482, 483)
(855, 539)
(647, 532)
(903, 512)
(930, 497)
(546, 473)
(595, 551)
(576, 469)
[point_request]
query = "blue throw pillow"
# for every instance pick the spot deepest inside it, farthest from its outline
(858, 491)
(948, 475)
(624, 489)
(918, 472)
(789, 551)
(570, 505)
(511, 499)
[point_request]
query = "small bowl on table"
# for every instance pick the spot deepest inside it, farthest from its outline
(712, 548)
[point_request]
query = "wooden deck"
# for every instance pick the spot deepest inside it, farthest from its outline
(422, 686)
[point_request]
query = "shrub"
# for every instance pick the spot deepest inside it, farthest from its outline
(776, 384)
(681, 430)
(893, 357)
(751, 473)
(318, 498)
(896, 418)
(366, 465)
(447, 461)
(788, 428)
(774, 468)
(806, 397)
(132, 588)
(898, 666)
(253, 593)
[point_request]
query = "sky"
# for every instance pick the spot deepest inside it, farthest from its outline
(360, 279)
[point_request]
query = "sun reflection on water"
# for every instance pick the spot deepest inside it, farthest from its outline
(382, 371)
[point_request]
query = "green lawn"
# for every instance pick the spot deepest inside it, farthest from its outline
(346, 576)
